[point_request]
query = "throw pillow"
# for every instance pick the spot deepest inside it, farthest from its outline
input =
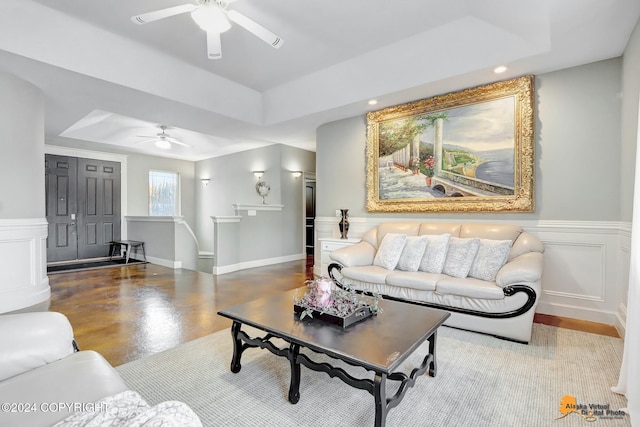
(412, 253)
(390, 250)
(460, 256)
(435, 254)
(491, 256)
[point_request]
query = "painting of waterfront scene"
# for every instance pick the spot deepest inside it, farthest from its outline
(474, 155)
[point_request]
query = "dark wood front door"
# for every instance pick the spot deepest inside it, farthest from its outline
(98, 207)
(83, 207)
(61, 208)
(310, 216)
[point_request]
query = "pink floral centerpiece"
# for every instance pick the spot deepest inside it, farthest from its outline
(333, 304)
(323, 292)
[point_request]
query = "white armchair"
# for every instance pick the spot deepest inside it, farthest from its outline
(32, 340)
(39, 368)
(44, 380)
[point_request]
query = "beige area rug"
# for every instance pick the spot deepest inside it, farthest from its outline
(481, 381)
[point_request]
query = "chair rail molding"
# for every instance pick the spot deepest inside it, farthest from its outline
(252, 209)
(586, 271)
(225, 219)
(23, 251)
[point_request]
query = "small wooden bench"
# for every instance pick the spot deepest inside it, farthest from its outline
(129, 245)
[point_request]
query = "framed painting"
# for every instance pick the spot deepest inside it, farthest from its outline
(466, 151)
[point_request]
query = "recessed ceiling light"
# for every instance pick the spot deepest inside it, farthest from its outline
(373, 102)
(500, 69)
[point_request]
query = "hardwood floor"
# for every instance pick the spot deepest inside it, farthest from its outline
(126, 313)
(577, 325)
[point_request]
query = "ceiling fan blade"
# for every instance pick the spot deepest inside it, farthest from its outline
(156, 15)
(256, 29)
(175, 141)
(146, 140)
(214, 46)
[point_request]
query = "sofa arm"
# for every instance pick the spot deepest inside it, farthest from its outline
(361, 253)
(30, 340)
(524, 268)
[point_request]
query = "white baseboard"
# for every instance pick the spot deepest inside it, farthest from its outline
(159, 261)
(226, 268)
(621, 320)
(574, 312)
(257, 263)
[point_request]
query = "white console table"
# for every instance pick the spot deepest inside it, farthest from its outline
(328, 245)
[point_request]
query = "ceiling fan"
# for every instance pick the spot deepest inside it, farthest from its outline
(162, 140)
(213, 17)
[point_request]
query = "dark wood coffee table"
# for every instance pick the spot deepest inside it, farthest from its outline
(379, 344)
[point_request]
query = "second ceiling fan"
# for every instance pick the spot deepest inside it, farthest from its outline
(162, 140)
(213, 17)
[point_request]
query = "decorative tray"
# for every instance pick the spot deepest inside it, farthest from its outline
(326, 302)
(346, 321)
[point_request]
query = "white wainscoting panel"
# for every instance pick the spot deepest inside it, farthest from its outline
(623, 265)
(583, 275)
(575, 270)
(23, 263)
(586, 263)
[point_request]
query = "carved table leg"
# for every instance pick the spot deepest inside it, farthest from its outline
(380, 396)
(432, 350)
(237, 348)
(294, 386)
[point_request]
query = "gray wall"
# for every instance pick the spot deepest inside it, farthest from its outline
(159, 238)
(232, 182)
(23, 225)
(630, 99)
(22, 147)
(577, 143)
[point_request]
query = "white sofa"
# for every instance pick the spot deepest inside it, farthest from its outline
(488, 276)
(44, 381)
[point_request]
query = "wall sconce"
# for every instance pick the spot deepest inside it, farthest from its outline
(205, 181)
(296, 174)
(258, 174)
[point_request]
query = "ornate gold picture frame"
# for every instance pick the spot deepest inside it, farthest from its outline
(466, 151)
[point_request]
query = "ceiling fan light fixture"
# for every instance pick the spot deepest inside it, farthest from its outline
(163, 144)
(211, 18)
